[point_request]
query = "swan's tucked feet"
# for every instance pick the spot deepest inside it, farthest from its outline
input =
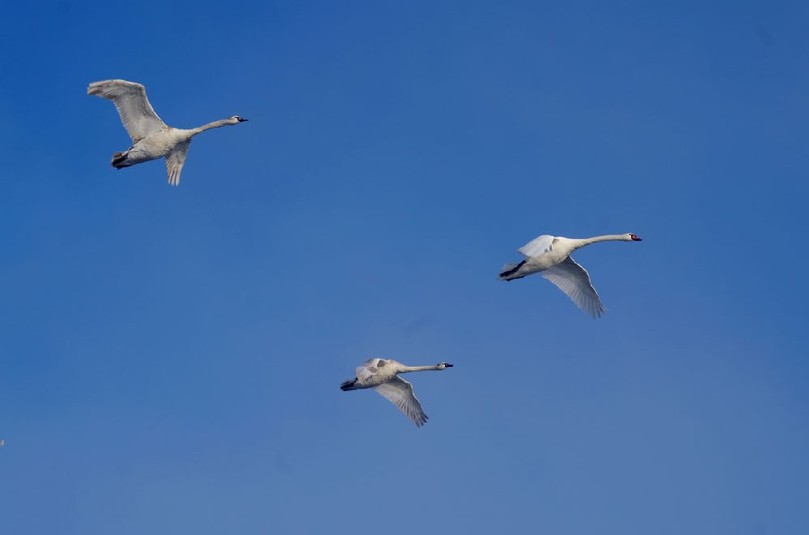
(512, 271)
(117, 159)
(348, 384)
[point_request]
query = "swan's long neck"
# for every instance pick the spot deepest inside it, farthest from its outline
(408, 369)
(581, 242)
(214, 124)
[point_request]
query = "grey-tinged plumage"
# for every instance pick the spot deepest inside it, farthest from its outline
(151, 137)
(383, 376)
(550, 256)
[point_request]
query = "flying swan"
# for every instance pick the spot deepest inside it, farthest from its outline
(550, 256)
(151, 137)
(383, 376)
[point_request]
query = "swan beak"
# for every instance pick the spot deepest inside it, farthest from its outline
(241, 119)
(447, 365)
(636, 238)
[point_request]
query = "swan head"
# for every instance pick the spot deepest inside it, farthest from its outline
(236, 119)
(443, 365)
(633, 237)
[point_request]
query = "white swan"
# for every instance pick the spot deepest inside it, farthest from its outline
(550, 256)
(383, 376)
(151, 137)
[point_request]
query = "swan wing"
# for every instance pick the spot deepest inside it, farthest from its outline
(175, 160)
(367, 370)
(400, 393)
(138, 116)
(537, 246)
(575, 282)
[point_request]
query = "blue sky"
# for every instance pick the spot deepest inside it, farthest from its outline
(170, 357)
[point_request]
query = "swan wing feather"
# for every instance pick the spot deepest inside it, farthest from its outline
(400, 393)
(575, 282)
(537, 246)
(137, 114)
(175, 160)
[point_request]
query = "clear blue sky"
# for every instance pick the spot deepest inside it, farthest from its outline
(170, 357)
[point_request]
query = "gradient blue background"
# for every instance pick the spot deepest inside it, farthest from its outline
(170, 357)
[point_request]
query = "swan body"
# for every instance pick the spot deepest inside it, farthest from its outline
(383, 376)
(151, 137)
(550, 256)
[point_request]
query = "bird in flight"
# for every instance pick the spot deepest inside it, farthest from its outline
(151, 137)
(550, 257)
(383, 376)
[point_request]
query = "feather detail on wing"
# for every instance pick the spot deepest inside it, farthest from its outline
(537, 246)
(137, 115)
(175, 160)
(400, 393)
(575, 282)
(367, 370)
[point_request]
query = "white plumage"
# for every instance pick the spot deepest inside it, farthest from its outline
(383, 376)
(151, 137)
(550, 256)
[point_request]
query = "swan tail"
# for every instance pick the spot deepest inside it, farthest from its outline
(349, 385)
(509, 271)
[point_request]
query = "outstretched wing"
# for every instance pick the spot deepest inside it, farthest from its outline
(537, 246)
(138, 116)
(400, 393)
(574, 280)
(175, 160)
